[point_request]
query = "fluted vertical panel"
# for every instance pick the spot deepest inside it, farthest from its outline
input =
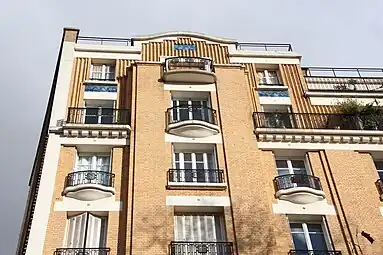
(294, 80)
(153, 50)
(80, 73)
(124, 83)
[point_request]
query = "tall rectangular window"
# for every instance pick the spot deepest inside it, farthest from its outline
(308, 236)
(86, 229)
(93, 162)
(268, 77)
(103, 72)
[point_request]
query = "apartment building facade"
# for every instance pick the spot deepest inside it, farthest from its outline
(185, 144)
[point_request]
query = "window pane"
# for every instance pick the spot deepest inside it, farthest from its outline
(281, 164)
(177, 156)
(187, 157)
(315, 228)
(273, 76)
(299, 241)
(296, 227)
(379, 165)
(298, 164)
(380, 175)
(199, 157)
(318, 241)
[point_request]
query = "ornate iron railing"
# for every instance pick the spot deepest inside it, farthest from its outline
(344, 79)
(196, 175)
(89, 177)
(265, 46)
(201, 248)
(317, 121)
(194, 63)
(82, 251)
(183, 113)
(313, 252)
(289, 181)
(98, 116)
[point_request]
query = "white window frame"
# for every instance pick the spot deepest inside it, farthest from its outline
(176, 102)
(97, 104)
(215, 238)
(268, 77)
(377, 169)
(326, 233)
(94, 159)
(103, 230)
(290, 165)
(103, 70)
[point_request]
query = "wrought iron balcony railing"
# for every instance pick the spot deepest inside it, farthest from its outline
(344, 79)
(82, 251)
(317, 121)
(265, 46)
(289, 181)
(89, 177)
(100, 88)
(199, 248)
(196, 175)
(189, 63)
(98, 116)
(184, 113)
(313, 252)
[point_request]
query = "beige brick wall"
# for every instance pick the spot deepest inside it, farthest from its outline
(57, 220)
(354, 175)
(251, 171)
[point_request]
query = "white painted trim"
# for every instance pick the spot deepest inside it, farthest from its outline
(319, 146)
(100, 95)
(266, 54)
(93, 141)
(335, 100)
(197, 201)
(44, 197)
(264, 60)
(101, 205)
(107, 55)
(189, 87)
(100, 82)
(215, 139)
(316, 208)
(326, 93)
(274, 100)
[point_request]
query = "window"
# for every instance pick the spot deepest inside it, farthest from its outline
(88, 226)
(268, 77)
(100, 112)
(287, 166)
(199, 227)
(308, 236)
(94, 163)
(195, 167)
(278, 116)
(191, 110)
(102, 72)
(379, 168)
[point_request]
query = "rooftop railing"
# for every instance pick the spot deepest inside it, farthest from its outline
(265, 46)
(104, 40)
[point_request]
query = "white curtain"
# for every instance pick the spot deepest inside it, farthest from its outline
(199, 228)
(95, 233)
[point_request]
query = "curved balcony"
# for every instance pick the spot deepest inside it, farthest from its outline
(188, 121)
(89, 185)
(82, 251)
(298, 188)
(313, 252)
(189, 69)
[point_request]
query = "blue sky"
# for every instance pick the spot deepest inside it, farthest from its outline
(327, 33)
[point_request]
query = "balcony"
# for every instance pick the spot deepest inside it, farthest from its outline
(344, 80)
(197, 248)
(189, 121)
(298, 188)
(89, 185)
(189, 70)
(379, 186)
(318, 127)
(100, 88)
(196, 179)
(82, 251)
(313, 252)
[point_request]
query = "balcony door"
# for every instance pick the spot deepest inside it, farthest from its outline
(278, 116)
(103, 72)
(191, 110)
(295, 172)
(92, 169)
(99, 112)
(195, 167)
(86, 231)
(308, 237)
